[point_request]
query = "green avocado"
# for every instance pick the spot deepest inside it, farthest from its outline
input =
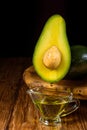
(78, 68)
(52, 55)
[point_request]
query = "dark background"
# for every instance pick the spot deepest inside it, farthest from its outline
(22, 23)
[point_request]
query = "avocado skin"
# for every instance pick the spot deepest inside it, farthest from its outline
(78, 68)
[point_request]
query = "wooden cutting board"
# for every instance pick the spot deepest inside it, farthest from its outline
(77, 87)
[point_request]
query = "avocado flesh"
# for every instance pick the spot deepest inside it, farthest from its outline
(53, 34)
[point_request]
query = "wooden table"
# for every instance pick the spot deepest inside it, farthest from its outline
(17, 111)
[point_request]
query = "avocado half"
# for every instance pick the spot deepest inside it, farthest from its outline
(52, 55)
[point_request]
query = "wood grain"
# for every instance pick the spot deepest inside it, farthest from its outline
(77, 87)
(17, 111)
(10, 77)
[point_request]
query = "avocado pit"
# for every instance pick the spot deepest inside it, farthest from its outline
(52, 58)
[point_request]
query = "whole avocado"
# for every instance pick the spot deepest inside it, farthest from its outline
(78, 68)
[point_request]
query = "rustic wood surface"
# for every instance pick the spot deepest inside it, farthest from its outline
(17, 111)
(77, 87)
